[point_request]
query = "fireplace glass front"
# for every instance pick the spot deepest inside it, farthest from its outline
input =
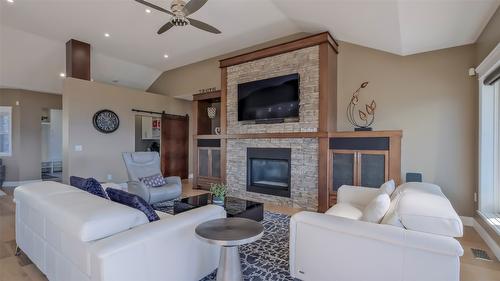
(269, 171)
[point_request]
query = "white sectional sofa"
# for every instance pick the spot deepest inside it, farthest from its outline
(413, 242)
(72, 235)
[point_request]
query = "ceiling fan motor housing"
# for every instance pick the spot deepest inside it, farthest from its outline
(177, 8)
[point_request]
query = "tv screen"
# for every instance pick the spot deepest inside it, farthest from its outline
(273, 98)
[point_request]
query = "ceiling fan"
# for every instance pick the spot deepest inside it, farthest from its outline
(180, 12)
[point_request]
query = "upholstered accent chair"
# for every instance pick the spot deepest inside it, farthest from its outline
(144, 164)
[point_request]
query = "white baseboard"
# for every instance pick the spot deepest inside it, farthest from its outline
(487, 238)
(467, 221)
(18, 183)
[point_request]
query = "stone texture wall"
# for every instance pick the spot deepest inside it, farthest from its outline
(304, 157)
(305, 62)
(304, 171)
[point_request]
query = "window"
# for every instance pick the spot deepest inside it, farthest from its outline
(5, 131)
(489, 139)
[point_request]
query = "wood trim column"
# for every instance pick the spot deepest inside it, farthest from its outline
(323, 178)
(78, 59)
(223, 123)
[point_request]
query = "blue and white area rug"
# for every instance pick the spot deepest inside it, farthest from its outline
(265, 259)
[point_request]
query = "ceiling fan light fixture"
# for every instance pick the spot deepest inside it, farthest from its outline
(179, 21)
(180, 12)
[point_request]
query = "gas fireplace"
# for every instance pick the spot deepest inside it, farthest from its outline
(268, 171)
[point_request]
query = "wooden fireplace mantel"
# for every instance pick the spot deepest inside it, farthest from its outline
(312, 40)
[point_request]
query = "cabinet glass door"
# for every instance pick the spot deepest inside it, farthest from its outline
(344, 172)
(203, 162)
(372, 168)
(215, 163)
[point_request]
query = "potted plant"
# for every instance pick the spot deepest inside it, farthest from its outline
(219, 191)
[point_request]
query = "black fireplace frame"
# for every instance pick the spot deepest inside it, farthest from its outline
(269, 154)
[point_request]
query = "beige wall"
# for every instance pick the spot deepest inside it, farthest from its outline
(101, 153)
(432, 99)
(26, 159)
(489, 37)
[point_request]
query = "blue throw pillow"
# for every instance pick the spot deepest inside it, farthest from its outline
(133, 201)
(94, 187)
(78, 182)
(153, 181)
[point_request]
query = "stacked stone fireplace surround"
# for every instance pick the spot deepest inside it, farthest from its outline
(304, 151)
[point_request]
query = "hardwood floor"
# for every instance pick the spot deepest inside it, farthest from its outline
(20, 268)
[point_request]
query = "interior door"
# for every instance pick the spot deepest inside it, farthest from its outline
(175, 145)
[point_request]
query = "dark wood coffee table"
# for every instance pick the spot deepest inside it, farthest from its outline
(235, 207)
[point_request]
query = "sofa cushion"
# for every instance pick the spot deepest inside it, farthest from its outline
(376, 209)
(156, 180)
(388, 187)
(346, 210)
(392, 217)
(81, 214)
(428, 210)
(133, 201)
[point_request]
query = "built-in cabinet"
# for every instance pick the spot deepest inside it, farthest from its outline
(208, 161)
(209, 168)
(363, 159)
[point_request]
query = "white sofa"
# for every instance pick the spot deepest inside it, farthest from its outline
(71, 235)
(414, 241)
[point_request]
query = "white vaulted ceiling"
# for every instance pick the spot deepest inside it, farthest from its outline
(33, 32)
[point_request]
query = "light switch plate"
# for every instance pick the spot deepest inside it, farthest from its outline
(78, 147)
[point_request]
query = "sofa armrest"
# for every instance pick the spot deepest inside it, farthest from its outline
(174, 180)
(358, 195)
(138, 188)
(168, 248)
(319, 241)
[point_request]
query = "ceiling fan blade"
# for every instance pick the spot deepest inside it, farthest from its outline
(193, 6)
(203, 26)
(155, 7)
(165, 27)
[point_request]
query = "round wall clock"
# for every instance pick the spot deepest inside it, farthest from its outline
(106, 121)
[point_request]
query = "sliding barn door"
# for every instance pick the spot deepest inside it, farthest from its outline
(175, 145)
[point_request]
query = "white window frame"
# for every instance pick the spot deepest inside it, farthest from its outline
(489, 143)
(8, 109)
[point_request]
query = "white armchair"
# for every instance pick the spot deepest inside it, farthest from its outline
(339, 246)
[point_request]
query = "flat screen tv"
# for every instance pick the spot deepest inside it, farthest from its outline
(273, 99)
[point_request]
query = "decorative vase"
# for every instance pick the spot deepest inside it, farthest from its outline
(218, 200)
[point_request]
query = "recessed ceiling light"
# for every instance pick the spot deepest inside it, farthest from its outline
(148, 11)
(165, 56)
(10, 1)
(62, 74)
(106, 35)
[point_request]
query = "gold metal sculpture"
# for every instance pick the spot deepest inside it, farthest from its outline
(367, 117)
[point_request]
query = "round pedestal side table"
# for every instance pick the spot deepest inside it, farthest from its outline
(230, 233)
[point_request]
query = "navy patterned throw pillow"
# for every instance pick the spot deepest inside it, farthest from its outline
(94, 187)
(133, 201)
(153, 181)
(90, 185)
(78, 182)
